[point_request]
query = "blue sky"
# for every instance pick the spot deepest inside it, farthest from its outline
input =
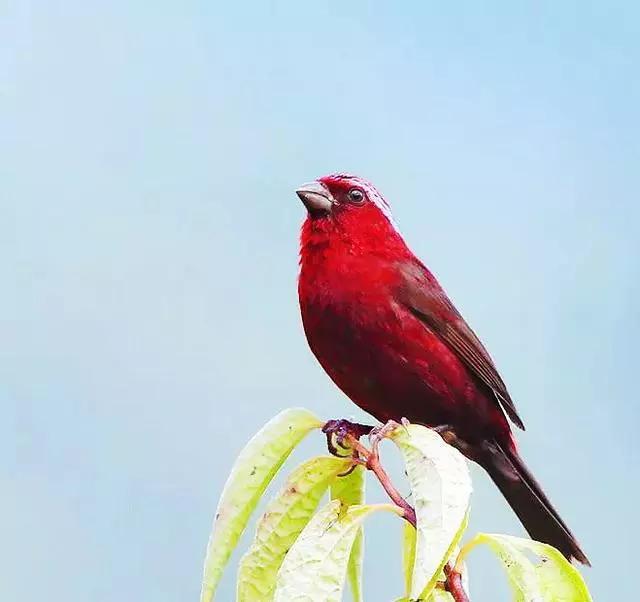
(148, 247)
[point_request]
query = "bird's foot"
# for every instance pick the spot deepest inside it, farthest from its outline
(448, 434)
(378, 433)
(338, 433)
(346, 435)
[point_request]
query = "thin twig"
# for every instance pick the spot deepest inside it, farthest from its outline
(372, 462)
(454, 584)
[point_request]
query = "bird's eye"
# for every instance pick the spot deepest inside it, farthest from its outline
(356, 195)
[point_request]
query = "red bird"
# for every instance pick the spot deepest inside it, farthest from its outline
(387, 334)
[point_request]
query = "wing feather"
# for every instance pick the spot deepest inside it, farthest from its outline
(426, 300)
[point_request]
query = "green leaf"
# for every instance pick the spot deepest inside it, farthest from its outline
(283, 520)
(316, 565)
(408, 559)
(440, 595)
(408, 555)
(256, 465)
(349, 489)
(550, 578)
(437, 595)
(441, 490)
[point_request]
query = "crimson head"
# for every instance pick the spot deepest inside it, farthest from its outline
(349, 204)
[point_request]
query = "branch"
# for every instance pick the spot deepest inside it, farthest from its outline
(370, 459)
(453, 584)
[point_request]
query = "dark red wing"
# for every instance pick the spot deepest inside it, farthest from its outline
(429, 303)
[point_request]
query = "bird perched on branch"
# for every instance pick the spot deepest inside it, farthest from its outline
(386, 333)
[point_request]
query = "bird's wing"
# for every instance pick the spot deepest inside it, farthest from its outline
(423, 296)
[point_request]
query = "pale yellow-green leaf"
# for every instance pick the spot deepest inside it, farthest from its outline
(440, 595)
(283, 520)
(408, 555)
(437, 595)
(349, 489)
(316, 565)
(547, 578)
(441, 490)
(253, 470)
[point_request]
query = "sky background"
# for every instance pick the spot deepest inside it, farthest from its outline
(148, 252)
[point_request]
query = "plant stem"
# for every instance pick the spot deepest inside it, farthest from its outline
(454, 584)
(371, 461)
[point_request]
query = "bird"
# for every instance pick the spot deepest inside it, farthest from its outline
(389, 337)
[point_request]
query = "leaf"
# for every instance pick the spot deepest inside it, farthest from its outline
(315, 567)
(408, 555)
(437, 595)
(253, 470)
(283, 520)
(440, 595)
(408, 559)
(552, 578)
(349, 489)
(441, 489)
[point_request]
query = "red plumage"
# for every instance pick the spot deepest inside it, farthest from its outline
(386, 333)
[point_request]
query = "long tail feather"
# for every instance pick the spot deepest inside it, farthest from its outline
(528, 501)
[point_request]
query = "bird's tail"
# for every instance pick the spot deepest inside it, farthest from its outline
(527, 499)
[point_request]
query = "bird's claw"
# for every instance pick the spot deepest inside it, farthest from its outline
(378, 433)
(446, 432)
(450, 437)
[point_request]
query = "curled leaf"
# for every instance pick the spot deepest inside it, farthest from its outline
(441, 490)
(316, 565)
(547, 577)
(256, 465)
(283, 520)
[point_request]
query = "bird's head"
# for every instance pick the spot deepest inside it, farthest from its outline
(349, 208)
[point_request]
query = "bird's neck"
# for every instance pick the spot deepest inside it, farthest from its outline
(339, 240)
(335, 263)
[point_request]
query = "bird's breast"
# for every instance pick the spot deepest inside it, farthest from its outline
(380, 356)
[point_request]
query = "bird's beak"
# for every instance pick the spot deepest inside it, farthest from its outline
(316, 197)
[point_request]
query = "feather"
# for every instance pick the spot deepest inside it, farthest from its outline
(426, 300)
